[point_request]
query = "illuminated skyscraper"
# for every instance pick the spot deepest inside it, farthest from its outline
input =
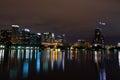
(35, 39)
(5, 36)
(99, 38)
(48, 37)
(25, 36)
(15, 34)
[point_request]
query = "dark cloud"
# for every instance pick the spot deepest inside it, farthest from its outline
(77, 17)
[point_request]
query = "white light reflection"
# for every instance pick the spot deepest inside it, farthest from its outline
(96, 58)
(102, 74)
(45, 60)
(18, 54)
(52, 60)
(35, 54)
(63, 61)
(22, 54)
(71, 55)
(31, 54)
(68, 54)
(12, 54)
(52, 64)
(59, 59)
(1, 55)
(99, 60)
(119, 58)
(27, 54)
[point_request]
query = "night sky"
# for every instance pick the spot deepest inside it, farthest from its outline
(76, 18)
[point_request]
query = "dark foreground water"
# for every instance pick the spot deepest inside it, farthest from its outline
(30, 63)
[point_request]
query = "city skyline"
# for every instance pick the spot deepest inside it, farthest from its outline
(76, 18)
(60, 39)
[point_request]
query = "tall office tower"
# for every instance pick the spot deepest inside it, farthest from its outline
(25, 36)
(47, 37)
(15, 34)
(5, 36)
(99, 38)
(38, 39)
(64, 38)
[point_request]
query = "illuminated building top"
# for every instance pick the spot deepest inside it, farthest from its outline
(27, 30)
(15, 26)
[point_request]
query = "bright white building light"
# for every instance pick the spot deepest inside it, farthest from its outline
(63, 35)
(118, 44)
(27, 30)
(95, 45)
(15, 26)
(46, 33)
(53, 35)
(102, 23)
(119, 58)
(38, 33)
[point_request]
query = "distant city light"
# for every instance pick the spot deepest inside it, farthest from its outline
(119, 58)
(79, 40)
(15, 26)
(38, 33)
(63, 35)
(118, 44)
(59, 36)
(53, 35)
(59, 49)
(46, 33)
(102, 23)
(2, 46)
(27, 30)
(95, 45)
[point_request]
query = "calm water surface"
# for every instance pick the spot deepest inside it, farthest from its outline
(29, 63)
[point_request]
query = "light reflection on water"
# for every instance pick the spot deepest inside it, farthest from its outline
(25, 68)
(119, 58)
(1, 55)
(26, 61)
(21, 59)
(38, 62)
(100, 62)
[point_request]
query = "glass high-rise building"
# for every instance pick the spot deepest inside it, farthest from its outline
(99, 38)
(15, 34)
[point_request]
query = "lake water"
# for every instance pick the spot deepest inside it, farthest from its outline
(29, 63)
